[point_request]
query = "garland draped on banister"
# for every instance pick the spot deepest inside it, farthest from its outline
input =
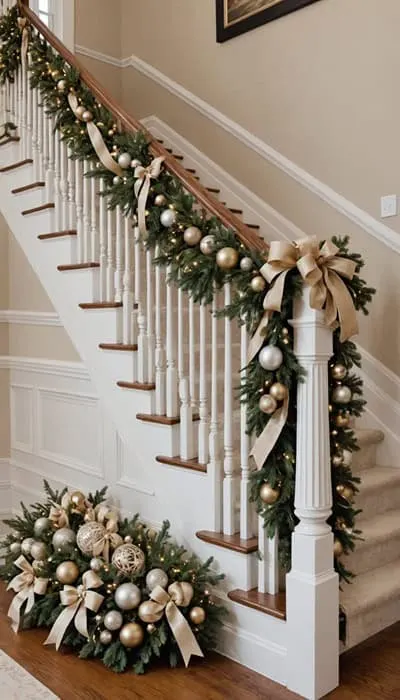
(202, 255)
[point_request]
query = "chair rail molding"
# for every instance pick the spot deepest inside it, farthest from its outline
(338, 202)
(29, 318)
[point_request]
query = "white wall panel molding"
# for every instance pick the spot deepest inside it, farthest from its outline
(5, 490)
(22, 416)
(327, 194)
(30, 318)
(124, 466)
(57, 368)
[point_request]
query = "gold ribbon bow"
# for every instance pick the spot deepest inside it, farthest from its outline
(96, 139)
(77, 601)
(25, 585)
(22, 24)
(179, 594)
(107, 517)
(59, 512)
(142, 189)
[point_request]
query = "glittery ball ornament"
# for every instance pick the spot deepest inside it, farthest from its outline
(89, 537)
(128, 559)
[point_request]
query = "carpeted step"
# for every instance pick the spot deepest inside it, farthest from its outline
(371, 603)
(368, 441)
(380, 545)
(379, 491)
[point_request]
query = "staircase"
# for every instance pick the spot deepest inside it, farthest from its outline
(166, 370)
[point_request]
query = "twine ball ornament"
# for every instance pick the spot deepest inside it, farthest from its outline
(270, 357)
(246, 264)
(207, 244)
(105, 637)
(67, 572)
(127, 596)
(267, 404)
(131, 635)
(269, 495)
(192, 235)
(64, 539)
(80, 110)
(149, 613)
(227, 258)
(89, 536)
(15, 548)
(347, 458)
(128, 559)
(156, 577)
(168, 218)
(339, 372)
(78, 500)
(258, 284)
(39, 550)
(26, 545)
(342, 394)
(41, 526)
(160, 200)
(125, 160)
(197, 615)
(113, 620)
(278, 391)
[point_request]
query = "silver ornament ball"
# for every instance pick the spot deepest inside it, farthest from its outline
(127, 596)
(267, 404)
(192, 235)
(96, 564)
(207, 244)
(26, 545)
(41, 526)
(113, 620)
(337, 460)
(270, 357)
(246, 264)
(15, 548)
(105, 637)
(64, 539)
(135, 163)
(125, 160)
(62, 85)
(117, 180)
(156, 577)
(128, 539)
(342, 394)
(168, 218)
(39, 550)
(339, 372)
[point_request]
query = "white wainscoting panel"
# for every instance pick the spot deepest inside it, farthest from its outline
(21, 407)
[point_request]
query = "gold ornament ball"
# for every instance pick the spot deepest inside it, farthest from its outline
(269, 495)
(342, 394)
(55, 74)
(339, 372)
(149, 612)
(227, 258)
(192, 235)
(39, 550)
(197, 615)
(151, 628)
(87, 116)
(337, 460)
(131, 635)
(342, 421)
(337, 548)
(80, 110)
(348, 494)
(258, 284)
(339, 489)
(78, 501)
(160, 200)
(278, 391)
(267, 404)
(67, 572)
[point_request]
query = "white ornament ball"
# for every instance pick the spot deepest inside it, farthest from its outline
(267, 404)
(39, 550)
(128, 559)
(113, 620)
(342, 394)
(270, 357)
(135, 163)
(26, 545)
(168, 217)
(15, 548)
(192, 235)
(125, 160)
(105, 637)
(87, 116)
(117, 180)
(156, 577)
(64, 539)
(41, 526)
(96, 564)
(62, 85)
(90, 536)
(246, 264)
(127, 596)
(207, 244)
(347, 458)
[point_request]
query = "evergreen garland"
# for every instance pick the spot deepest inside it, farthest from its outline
(200, 276)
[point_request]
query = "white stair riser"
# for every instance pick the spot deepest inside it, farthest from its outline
(18, 177)
(31, 198)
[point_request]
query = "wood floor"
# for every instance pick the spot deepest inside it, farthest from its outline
(370, 672)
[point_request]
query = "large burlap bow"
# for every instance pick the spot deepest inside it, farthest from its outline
(179, 594)
(25, 585)
(107, 517)
(77, 601)
(96, 139)
(22, 24)
(322, 269)
(142, 189)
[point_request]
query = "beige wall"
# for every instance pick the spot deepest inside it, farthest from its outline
(4, 374)
(98, 25)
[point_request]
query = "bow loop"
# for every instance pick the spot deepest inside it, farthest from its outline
(26, 585)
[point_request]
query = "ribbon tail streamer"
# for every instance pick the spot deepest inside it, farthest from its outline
(14, 611)
(266, 442)
(184, 636)
(60, 626)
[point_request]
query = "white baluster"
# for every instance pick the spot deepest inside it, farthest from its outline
(268, 565)
(150, 319)
(312, 587)
(64, 185)
(203, 398)
(35, 131)
(71, 192)
(161, 406)
(57, 180)
(246, 514)
(45, 150)
(24, 106)
(192, 354)
(119, 247)
(229, 480)
(127, 297)
(79, 211)
(172, 374)
(86, 214)
(215, 465)
(141, 318)
(110, 255)
(103, 244)
(187, 449)
(50, 176)
(40, 170)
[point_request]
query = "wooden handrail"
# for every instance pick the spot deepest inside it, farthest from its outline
(207, 200)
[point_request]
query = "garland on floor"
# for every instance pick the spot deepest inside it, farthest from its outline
(108, 588)
(202, 255)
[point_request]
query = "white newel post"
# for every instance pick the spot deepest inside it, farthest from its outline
(312, 587)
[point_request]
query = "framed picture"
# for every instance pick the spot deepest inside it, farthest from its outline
(235, 17)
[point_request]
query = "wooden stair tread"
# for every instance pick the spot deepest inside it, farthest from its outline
(35, 210)
(192, 464)
(161, 420)
(78, 266)
(137, 385)
(256, 227)
(213, 190)
(232, 542)
(14, 166)
(274, 605)
(26, 188)
(56, 234)
(118, 346)
(101, 305)
(10, 139)
(235, 211)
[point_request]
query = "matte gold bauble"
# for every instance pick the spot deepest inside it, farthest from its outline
(339, 372)
(78, 501)
(150, 612)
(267, 404)
(67, 572)
(105, 637)
(342, 421)
(337, 548)
(227, 258)
(197, 615)
(268, 494)
(131, 635)
(258, 284)
(192, 235)
(278, 391)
